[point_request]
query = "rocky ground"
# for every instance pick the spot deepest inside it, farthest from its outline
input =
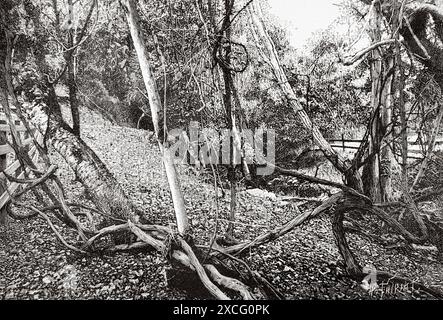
(304, 264)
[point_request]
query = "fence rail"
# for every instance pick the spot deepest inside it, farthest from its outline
(415, 150)
(9, 163)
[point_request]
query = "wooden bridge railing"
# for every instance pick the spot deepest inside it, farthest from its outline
(415, 150)
(9, 163)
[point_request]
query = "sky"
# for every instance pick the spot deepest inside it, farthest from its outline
(303, 17)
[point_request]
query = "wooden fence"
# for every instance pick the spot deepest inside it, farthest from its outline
(415, 149)
(9, 163)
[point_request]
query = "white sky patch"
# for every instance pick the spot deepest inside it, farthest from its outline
(303, 17)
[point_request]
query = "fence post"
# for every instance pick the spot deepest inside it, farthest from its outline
(3, 164)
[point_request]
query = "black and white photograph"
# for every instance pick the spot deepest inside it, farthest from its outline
(195, 151)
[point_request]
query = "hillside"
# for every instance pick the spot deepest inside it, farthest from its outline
(304, 264)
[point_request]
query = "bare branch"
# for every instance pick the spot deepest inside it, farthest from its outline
(216, 292)
(417, 40)
(359, 55)
(51, 225)
(229, 283)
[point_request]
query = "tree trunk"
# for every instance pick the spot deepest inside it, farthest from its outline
(72, 85)
(351, 264)
(156, 109)
(372, 169)
(386, 125)
(229, 107)
(401, 101)
(3, 100)
(352, 177)
(104, 190)
(3, 186)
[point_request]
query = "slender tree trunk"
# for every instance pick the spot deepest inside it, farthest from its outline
(372, 169)
(243, 125)
(72, 85)
(212, 8)
(351, 264)
(353, 178)
(73, 100)
(156, 110)
(386, 124)
(230, 109)
(3, 186)
(3, 101)
(402, 108)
